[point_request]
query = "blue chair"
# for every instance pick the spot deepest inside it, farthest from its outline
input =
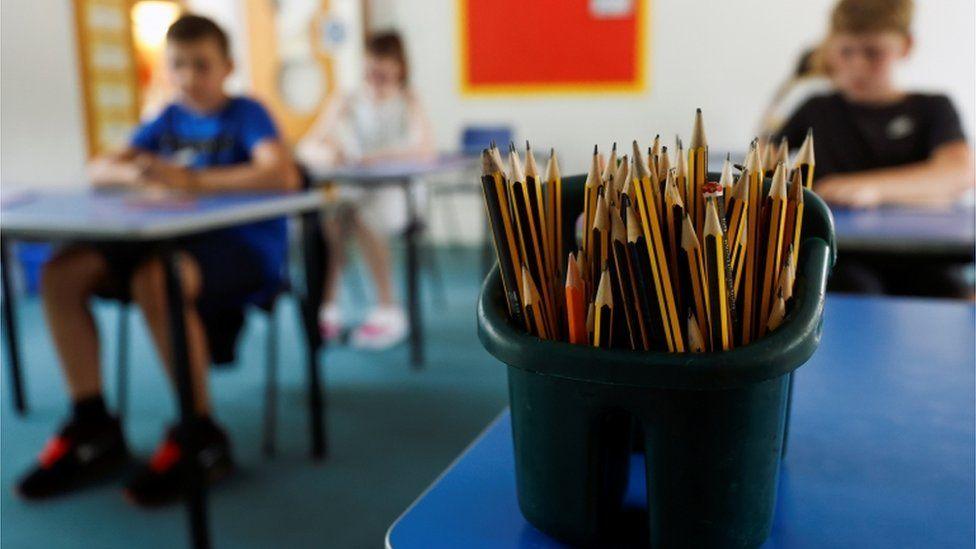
(473, 140)
(476, 138)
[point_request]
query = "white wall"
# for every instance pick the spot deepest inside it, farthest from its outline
(727, 57)
(744, 48)
(42, 139)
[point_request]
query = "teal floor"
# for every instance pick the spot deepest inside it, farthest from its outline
(391, 430)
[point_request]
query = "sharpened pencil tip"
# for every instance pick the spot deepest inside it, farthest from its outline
(595, 152)
(698, 110)
(527, 146)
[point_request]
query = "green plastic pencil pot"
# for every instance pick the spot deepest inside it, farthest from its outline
(713, 424)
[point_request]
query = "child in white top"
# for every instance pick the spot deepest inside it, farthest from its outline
(381, 122)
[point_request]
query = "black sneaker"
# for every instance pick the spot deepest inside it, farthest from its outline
(163, 479)
(79, 455)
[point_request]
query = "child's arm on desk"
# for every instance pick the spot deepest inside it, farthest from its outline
(940, 180)
(270, 168)
(121, 169)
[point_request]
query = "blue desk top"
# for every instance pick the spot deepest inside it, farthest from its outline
(395, 171)
(881, 445)
(905, 230)
(105, 214)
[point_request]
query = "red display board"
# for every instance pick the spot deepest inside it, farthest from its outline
(552, 45)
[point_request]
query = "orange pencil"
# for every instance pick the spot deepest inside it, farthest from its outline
(575, 303)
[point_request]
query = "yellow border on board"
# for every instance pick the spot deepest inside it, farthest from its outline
(640, 85)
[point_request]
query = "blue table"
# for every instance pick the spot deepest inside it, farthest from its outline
(159, 219)
(907, 231)
(403, 174)
(881, 445)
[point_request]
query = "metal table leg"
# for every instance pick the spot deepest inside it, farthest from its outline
(196, 496)
(10, 333)
(412, 278)
(313, 252)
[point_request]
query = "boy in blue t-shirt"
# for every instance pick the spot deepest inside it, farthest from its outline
(204, 141)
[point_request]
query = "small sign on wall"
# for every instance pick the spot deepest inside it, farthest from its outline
(525, 46)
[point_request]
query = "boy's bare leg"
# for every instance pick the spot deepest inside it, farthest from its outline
(149, 291)
(376, 253)
(67, 285)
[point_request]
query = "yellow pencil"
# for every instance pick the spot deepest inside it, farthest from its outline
(717, 279)
(774, 211)
(697, 170)
(783, 152)
(625, 284)
(777, 314)
(655, 152)
(527, 207)
(726, 180)
(737, 258)
(592, 185)
(533, 315)
(753, 257)
(639, 171)
(503, 232)
(787, 276)
(619, 177)
(681, 179)
(554, 232)
(696, 342)
(672, 226)
(600, 238)
(794, 216)
(658, 265)
(663, 164)
(611, 168)
(692, 271)
(603, 313)
(805, 160)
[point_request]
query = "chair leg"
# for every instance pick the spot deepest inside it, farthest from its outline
(436, 275)
(122, 362)
(271, 386)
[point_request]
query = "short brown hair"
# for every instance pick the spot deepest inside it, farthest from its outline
(193, 28)
(864, 16)
(389, 45)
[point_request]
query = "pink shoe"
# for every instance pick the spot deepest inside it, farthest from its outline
(330, 322)
(384, 328)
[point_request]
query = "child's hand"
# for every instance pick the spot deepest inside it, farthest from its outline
(155, 170)
(848, 192)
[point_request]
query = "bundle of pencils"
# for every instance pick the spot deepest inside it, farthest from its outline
(667, 260)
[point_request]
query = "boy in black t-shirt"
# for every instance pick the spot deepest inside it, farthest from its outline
(877, 144)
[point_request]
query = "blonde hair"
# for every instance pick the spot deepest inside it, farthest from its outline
(865, 16)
